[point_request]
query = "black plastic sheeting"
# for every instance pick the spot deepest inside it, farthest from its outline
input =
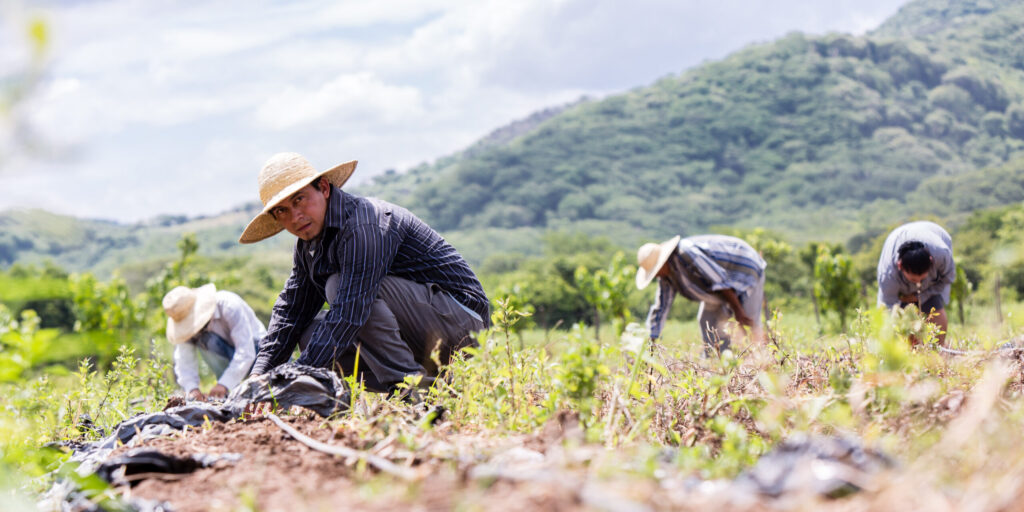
(317, 389)
(132, 467)
(828, 466)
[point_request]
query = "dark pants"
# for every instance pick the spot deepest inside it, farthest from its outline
(408, 320)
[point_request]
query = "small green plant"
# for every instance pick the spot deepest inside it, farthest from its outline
(835, 284)
(580, 370)
(607, 292)
(960, 291)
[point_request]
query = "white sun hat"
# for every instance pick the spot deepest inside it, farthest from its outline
(283, 175)
(651, 257)
(188, 310)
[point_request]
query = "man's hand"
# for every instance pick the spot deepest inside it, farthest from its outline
(737, 308)
(743, 319)
(257, 409)
(909, 299)
(218, 391)
(195, 394)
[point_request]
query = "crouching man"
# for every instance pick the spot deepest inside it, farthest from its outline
(221, 327)
(723, 273)
(916, 267)
(396, 290)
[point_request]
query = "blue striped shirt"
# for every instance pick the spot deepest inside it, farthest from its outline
(363, 240)
(701, 266)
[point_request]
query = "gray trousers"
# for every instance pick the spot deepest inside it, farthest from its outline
(407, 321)
(712, 317)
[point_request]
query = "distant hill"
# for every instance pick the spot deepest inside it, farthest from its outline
(35, 236)
(817, 137)
(812, 136)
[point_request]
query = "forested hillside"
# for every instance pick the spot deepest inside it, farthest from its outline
(855, 130)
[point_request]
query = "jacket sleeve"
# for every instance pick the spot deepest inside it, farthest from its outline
(186, 369)
(659, 310)
(295, 308)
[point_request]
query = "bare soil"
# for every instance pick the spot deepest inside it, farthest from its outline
(551, 470)
(278, 473)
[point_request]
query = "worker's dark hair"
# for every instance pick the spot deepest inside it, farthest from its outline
(316, 182)
(914, 257)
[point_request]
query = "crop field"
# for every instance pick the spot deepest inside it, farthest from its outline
(835, 410)
(579, 422)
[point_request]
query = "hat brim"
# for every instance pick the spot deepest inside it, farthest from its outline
(180, 331)
(643, 277)
(264, 225)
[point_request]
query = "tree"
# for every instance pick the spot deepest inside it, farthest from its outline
(835, 283)
(959, 291)
(607, 292)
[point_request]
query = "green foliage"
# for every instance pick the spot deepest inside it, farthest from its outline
(607, 291)
(104, 306)
(580, 370)
(835, 284)
(43, 290)
(23, 346)
(509, 310)
(960, 291)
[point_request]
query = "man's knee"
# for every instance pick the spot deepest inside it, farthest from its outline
(933, 305)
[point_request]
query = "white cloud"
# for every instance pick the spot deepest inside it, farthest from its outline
(173, 105)
(359, 97)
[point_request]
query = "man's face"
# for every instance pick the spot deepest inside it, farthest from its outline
(913, 278)
(302, 214)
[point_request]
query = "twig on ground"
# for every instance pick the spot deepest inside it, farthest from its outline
(343, 451)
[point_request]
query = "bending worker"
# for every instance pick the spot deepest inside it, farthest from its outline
(916, 267)
(395, 288)
(723, 273)
(221, 327)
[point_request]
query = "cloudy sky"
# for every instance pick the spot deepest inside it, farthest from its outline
(146, 108)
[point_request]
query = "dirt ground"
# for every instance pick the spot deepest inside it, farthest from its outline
(552, 470)
(278, 473)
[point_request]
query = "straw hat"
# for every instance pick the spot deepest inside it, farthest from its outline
(283, 175)
(650, 258)
(188, 310)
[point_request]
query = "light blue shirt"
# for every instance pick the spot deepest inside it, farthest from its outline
(891, 281)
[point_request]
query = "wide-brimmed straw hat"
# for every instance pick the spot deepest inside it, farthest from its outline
(650, 258)
(188, 310)
(283, 175)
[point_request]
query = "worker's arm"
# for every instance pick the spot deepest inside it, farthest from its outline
(737, 308)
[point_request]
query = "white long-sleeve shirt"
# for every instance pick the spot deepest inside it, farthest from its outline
(235, 322)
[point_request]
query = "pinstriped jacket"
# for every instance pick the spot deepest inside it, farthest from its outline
(363, 240)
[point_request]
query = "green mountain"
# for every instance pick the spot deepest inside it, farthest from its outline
(810, 135)
(817, 137)
(36, 236)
